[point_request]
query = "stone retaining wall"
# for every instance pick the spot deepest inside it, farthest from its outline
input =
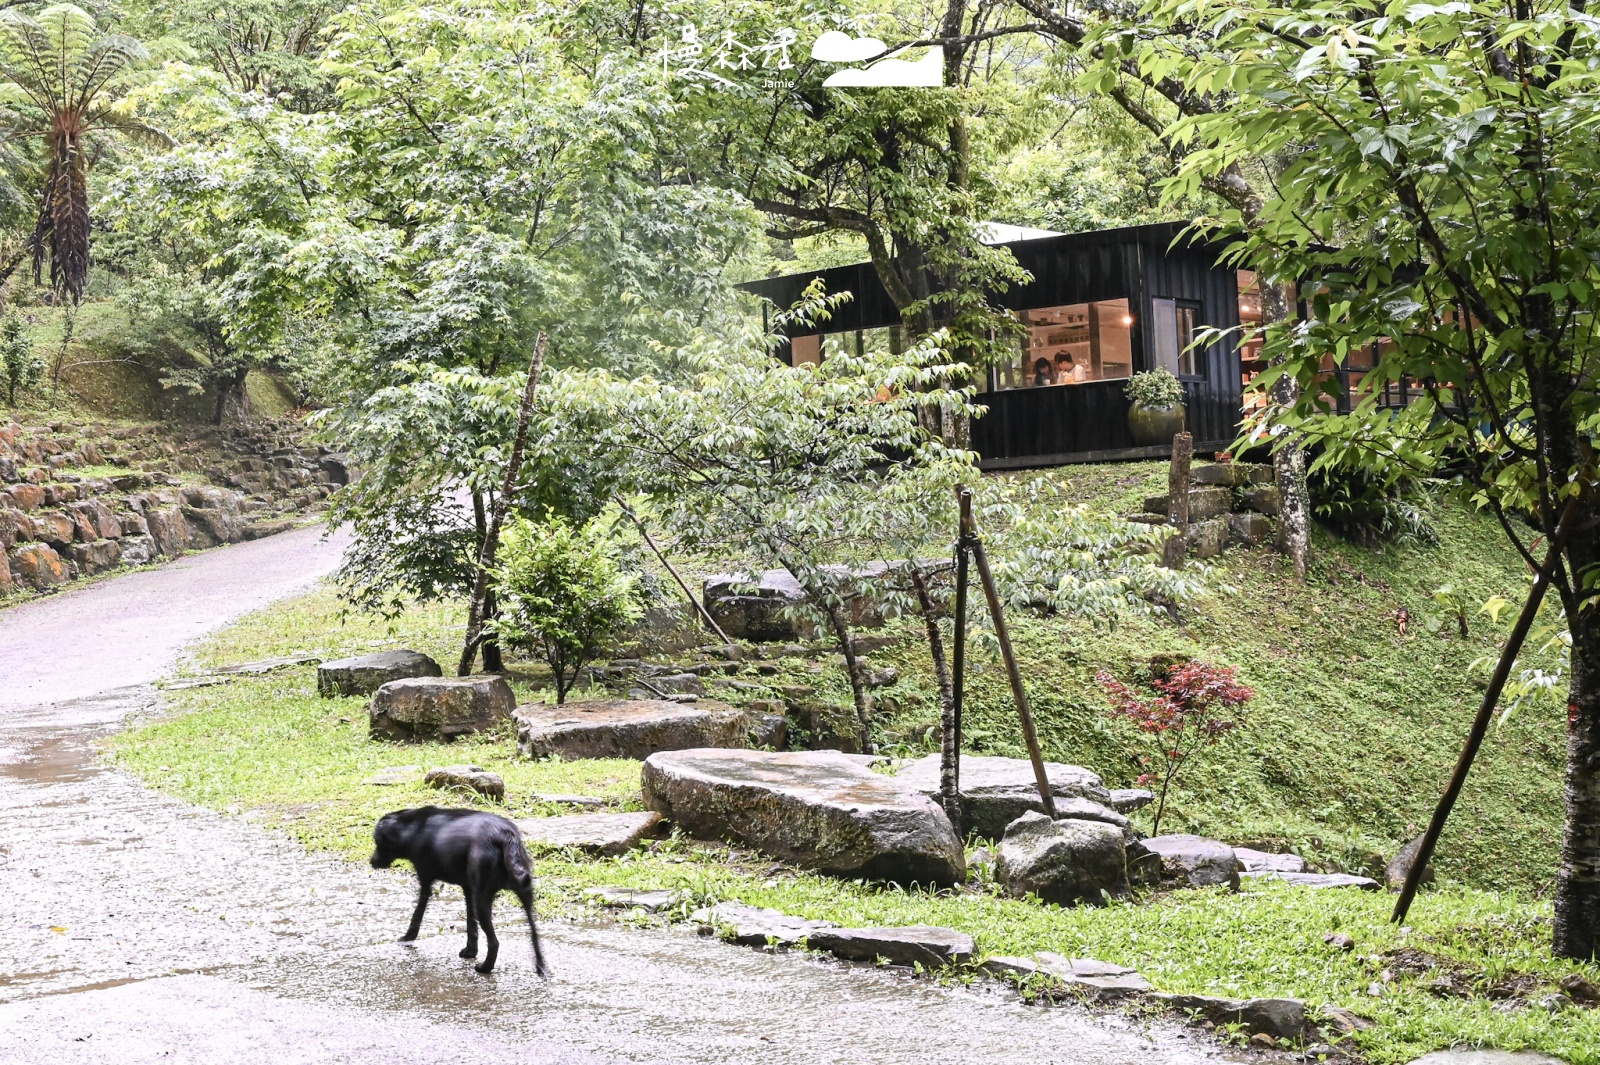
(64, 514)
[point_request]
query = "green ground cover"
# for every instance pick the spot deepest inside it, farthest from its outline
(1353, 730)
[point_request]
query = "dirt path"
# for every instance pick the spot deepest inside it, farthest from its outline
(138, 928)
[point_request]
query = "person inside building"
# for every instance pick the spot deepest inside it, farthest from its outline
(1042, 373)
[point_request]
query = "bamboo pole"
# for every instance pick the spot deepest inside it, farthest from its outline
(992, 594)
(1480, 724)
(700, 608)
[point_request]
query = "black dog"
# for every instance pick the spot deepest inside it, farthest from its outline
(481, 853)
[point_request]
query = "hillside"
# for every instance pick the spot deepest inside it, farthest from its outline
(1355, 725)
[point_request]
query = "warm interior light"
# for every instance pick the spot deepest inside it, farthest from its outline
(1127, 319)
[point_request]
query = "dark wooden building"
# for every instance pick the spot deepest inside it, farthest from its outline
(1101, 306)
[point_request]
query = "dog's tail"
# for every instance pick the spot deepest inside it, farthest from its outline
(521, 869)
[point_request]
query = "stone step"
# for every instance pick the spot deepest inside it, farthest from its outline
(1203, 503)
(1231, 474)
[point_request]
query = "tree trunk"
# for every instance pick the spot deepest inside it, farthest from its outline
(477, 612)
(1577, 895)
(852, 665)
(1288, 458)
(493, 661)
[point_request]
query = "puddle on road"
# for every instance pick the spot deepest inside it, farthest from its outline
(50, 759)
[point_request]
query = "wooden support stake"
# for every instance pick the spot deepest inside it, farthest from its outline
(477, 607)
(1480, 724)
(1029, 734)
(700, 608)
(1176, 548)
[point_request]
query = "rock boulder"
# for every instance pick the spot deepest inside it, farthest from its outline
(997, 791)
(818, 809)
(1065, 862)
(365, 674)
(1395, 872)
(467, 778)
(1281, 1018)
(626, 728)
(751, 607)
(439, 707)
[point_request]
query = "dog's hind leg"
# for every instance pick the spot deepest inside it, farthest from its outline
(525, 896)
(486, 919)
(424, 893)
(471, 949)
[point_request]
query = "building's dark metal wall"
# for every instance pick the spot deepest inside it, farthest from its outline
(1069, 423)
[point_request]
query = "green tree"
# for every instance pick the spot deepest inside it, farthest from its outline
(21, 366)
(563, 593)
(1438, 191)
(265, 47)
(62, 80)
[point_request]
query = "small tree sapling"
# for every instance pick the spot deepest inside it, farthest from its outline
(563, 593)
(1190, 712)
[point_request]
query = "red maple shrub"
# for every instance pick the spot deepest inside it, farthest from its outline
(1195, 704)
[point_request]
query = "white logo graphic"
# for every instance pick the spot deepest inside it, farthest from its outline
(892, 72)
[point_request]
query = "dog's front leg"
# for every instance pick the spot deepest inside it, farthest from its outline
(471, 949)
(424, 893)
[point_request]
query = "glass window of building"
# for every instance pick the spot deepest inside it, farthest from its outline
(1071, 345)
(1172, 337)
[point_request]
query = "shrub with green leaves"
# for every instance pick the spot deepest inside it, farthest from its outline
(20, 366)
(564, 594)
(1154, 388)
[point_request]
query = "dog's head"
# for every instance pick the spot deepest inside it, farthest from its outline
(389, 839)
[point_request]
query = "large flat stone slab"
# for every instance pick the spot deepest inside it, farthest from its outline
(1100, 979)
(627, 728)
(1315, 880)
(997, 791)
(439, 708)
(1254, 861)
(365, 674)
(621, 898)
(818, 809)
(598, 835)
(754, 926)
(924, 945)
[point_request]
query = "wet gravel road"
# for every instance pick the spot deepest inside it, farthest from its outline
(136, 928)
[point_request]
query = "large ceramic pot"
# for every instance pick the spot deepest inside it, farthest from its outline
(1155, 425)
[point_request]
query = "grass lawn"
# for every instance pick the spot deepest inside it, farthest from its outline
(1353, 730)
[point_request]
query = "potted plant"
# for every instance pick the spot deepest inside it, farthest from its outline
(1156, 412)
